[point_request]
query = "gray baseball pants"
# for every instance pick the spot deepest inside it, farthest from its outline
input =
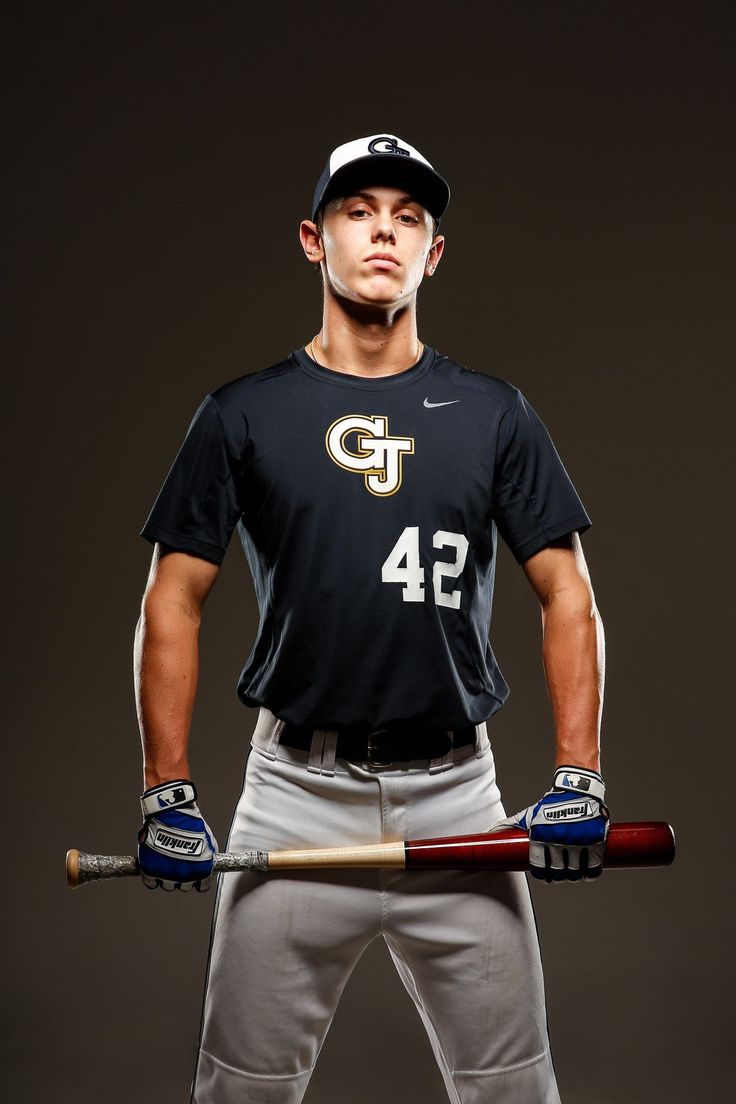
(285, 943)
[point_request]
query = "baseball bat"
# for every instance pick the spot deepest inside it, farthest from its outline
(632, 844)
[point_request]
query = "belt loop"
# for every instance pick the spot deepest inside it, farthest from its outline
(315, 751)
(268, 732)
(481, 739)
(443, 762)
(329, 752)
(323, 751)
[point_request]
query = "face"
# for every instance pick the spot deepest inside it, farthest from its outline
(376, 246)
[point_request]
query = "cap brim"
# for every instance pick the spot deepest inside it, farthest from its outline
(420, 181)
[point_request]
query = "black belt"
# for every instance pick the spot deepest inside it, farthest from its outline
(383, 746)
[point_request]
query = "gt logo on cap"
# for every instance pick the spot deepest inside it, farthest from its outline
(385, 144)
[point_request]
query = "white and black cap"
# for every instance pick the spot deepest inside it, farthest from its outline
(381, 159)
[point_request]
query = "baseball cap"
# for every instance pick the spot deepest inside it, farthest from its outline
(381, 159)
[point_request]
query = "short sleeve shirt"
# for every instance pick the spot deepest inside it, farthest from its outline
(368, 511)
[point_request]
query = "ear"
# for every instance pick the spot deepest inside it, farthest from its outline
(433, 257)
(311, 240)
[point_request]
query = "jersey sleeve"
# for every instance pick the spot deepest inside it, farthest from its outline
(199, 503)
(534, 498)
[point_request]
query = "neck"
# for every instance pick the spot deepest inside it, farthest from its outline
(367, 341)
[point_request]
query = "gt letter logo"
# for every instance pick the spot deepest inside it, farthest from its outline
(377, 455)
(386, 144)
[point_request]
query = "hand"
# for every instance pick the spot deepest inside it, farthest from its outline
(567, 827)
(175, 844)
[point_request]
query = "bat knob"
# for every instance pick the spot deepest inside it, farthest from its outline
(72, 868)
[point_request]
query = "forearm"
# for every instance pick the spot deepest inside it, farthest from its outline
(166, 671)
(574, 664)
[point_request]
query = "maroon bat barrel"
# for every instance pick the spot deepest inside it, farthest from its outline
(639, 843)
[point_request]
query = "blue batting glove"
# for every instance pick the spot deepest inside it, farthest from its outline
(567, 827)
(175, 844)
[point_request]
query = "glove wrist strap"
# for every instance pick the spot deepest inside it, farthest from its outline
(580, 780)
(169, 795)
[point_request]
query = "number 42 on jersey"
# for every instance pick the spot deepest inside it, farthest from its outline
(402, 565)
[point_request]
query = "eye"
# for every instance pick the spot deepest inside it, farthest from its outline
(408, 218)
(358, 211)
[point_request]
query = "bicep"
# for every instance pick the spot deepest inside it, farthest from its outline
(559, 570)
(183, 578)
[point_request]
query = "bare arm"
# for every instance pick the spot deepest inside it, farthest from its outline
(166, 660)
(573, 650)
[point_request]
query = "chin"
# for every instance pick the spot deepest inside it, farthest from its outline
(384, 291)
(379, 299)
(373, 293)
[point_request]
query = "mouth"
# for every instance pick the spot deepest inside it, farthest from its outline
(382, 260)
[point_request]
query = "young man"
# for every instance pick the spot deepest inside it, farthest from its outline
(368, 476)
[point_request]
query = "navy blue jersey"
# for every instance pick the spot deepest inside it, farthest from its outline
(368, 511)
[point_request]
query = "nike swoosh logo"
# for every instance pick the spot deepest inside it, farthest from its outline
(428, 404)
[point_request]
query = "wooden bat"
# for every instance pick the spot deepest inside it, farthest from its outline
(634, 844)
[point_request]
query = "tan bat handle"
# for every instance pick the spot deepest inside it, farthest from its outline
(82, 868)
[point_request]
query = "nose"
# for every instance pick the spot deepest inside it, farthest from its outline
(383, 227)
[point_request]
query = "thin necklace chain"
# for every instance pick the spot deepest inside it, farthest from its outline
(313, 354)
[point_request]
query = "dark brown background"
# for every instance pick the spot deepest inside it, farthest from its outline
(158, 160)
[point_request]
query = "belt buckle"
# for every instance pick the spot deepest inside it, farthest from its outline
(376, 748)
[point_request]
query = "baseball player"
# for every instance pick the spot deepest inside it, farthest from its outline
(368, 477)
